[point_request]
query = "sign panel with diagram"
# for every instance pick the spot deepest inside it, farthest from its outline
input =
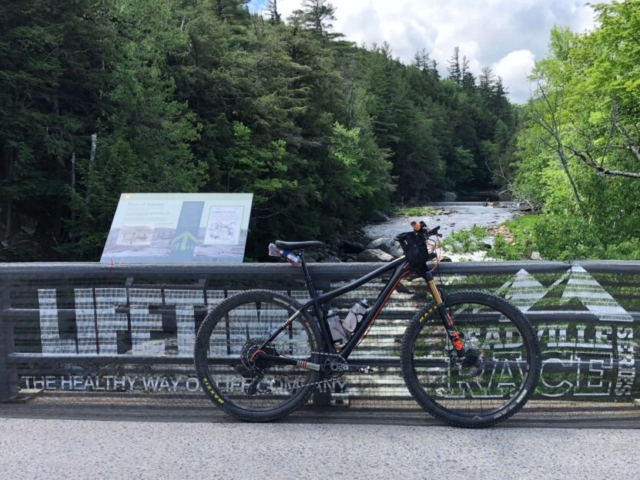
(179, 228)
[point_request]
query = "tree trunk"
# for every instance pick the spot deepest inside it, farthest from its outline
(8, 169)
(73, 189)
(92, 159)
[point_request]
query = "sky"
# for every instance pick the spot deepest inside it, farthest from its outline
(506, 35)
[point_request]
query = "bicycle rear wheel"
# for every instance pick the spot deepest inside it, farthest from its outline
(256, 391)
(501, 366)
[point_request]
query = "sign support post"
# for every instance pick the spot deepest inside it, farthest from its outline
(8, 371)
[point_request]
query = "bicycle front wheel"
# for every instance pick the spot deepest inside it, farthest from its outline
(224, 357)
(498, 373)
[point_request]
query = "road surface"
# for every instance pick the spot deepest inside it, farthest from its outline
(75, 437)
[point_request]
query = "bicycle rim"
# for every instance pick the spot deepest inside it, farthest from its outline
(257, 391)
(498, 374)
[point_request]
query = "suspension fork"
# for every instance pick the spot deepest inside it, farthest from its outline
(447, 321)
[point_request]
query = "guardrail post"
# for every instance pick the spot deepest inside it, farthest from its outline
(8, 371)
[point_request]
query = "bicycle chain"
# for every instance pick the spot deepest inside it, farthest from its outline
(324, 380)
(327, 378)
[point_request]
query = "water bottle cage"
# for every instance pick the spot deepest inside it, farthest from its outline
(354, 317)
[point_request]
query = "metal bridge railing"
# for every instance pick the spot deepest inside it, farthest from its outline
(130, 328)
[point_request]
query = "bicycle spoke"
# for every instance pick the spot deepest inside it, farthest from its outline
(495, 374)
(244, 382)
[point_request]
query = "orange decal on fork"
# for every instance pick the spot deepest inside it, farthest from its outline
(450, 321)
(454, 335)
(456, 340)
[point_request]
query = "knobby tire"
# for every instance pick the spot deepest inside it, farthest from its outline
(498, 381)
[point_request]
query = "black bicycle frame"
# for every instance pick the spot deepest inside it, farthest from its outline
(401, 269)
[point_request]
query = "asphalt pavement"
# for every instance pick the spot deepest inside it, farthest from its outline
(87, 449)
(55, 436)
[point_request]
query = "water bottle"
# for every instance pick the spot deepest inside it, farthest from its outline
(335, 327)
(288, 255)
(355, 315)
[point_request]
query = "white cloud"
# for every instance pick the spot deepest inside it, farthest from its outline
(514, 69)
(494, 33)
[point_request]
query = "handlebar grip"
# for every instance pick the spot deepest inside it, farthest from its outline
(422, 228)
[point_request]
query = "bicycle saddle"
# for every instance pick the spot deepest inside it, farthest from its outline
(298, 245)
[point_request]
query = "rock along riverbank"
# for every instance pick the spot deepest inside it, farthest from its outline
(462, 217)
(376, 242)
(451, 217)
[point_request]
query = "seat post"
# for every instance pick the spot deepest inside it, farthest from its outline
(307, 277)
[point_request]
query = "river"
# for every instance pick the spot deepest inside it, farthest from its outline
(464, 215)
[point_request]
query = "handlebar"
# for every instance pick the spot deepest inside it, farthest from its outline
(288, 255)
(424, 230)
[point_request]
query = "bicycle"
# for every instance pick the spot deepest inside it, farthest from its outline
(470, 358)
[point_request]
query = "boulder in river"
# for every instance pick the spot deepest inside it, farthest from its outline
(352, 247)
(387, 245)
(375, 255)
(379, 243)
(379, 217)
(450, 196)
(331, 259)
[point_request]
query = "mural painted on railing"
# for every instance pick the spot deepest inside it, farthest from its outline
(588, 338)
(580, 358)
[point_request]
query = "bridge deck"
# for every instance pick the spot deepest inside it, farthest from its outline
(196, 408)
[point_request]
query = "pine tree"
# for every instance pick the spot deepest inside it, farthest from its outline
(191, 95)
(274, 14)
(318, 15)
(455, 72)
(468, 81)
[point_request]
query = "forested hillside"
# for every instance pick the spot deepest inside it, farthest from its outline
(102, 97)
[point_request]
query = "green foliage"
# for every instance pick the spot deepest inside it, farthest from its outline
(524, 243)
(467, 241)
(579, 161)
(256, 170)
(522, 233)
(414, 211)
(566, 237)
(357, 180)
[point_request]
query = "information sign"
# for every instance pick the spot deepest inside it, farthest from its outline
(179, 228)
